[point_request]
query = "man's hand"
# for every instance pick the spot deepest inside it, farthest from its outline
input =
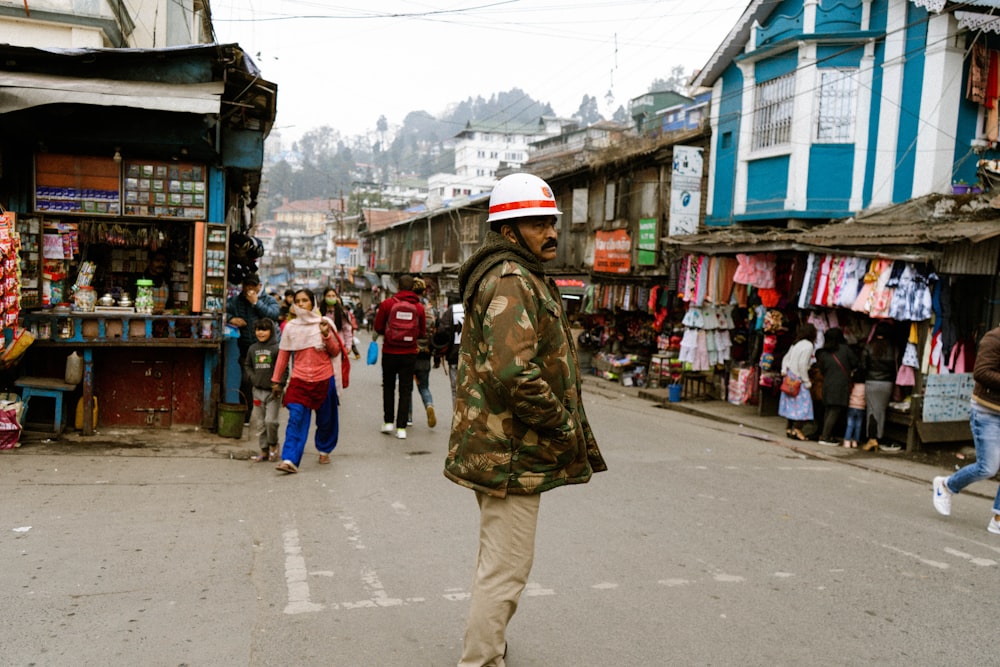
(238, 322)
(252, 296)
(276, 390)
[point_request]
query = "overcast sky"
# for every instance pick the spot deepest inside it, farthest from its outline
(343, 63)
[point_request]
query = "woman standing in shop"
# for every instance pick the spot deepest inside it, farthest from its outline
(795, 365)
(837, 362)
(880, 363)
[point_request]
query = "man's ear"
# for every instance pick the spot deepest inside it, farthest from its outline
(508, 233)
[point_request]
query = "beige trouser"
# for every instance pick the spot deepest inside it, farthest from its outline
(506, 551)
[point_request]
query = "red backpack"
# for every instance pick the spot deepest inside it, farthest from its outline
(402, 327)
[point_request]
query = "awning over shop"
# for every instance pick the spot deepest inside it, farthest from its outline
(20, 90)
(917, 230)
(442, 268)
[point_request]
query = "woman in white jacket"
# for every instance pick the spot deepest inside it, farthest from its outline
(798, 409)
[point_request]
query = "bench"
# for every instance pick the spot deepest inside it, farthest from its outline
(53, 388)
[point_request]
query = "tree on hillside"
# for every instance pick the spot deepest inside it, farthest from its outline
(621, 116)
(677, 81)
(588, 112)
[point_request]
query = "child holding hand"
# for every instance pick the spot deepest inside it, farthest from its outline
(258, 366)
(855, 414)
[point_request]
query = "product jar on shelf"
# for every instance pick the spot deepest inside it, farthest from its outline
(144, 296)
(85, 298)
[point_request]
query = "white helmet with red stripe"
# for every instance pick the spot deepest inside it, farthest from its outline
(521, 196)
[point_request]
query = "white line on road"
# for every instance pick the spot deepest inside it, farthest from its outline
(925, 561)
(984, 562)
(295, 576)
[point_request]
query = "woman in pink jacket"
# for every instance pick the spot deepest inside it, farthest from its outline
(311, 342)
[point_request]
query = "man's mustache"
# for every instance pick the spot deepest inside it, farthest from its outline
(551, 243)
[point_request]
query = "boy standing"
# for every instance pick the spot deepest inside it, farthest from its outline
(258, 367)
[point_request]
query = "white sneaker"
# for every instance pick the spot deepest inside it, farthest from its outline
(829, 443)
(387, 427)
(994, 527)
(401, 433)
(942, 500)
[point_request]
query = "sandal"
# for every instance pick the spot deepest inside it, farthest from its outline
(272, 455)
(796, 434)
(287, 467)
(324, 458)
(263, 458)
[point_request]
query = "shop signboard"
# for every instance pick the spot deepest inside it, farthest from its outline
(647, 241)
(685, 190)
(947, 397)
(418, 261)
(613, 252)
(343, 254)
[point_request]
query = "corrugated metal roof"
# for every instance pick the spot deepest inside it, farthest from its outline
(920, 228)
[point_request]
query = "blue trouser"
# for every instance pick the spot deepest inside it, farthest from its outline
(986, 435)
(423, 376)
(327, 426)
(855, 417)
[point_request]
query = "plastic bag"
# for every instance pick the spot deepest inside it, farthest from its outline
(10, 427)
(372, 353)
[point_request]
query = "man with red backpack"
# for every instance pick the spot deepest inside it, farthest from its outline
(401, 321)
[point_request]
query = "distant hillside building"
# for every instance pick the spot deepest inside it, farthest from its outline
(482, 149)
(310, 215)
(646, 109)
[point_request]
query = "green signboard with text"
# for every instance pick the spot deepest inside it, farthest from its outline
(647, 242)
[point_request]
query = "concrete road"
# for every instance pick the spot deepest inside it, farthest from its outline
(700, 546)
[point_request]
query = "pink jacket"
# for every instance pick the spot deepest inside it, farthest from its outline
(311, 365)
(857, 399)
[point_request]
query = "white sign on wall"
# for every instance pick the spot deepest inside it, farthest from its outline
(685, 190)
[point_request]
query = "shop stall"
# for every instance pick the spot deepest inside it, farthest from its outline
(743, 309)
(124, 227)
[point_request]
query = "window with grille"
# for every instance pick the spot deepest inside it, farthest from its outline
(772, 114)
(838, 94)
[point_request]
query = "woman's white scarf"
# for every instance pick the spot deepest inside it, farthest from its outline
(302, 332)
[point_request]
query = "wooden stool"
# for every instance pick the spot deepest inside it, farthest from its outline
(46, 388)
(696, 384)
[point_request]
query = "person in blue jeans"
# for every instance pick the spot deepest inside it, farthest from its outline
(422, 366)
(985, 423)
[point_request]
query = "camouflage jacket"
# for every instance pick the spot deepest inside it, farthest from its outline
(519, 424)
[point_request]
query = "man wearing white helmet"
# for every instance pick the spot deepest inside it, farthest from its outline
(519, 427)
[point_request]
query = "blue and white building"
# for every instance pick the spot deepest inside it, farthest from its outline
(825, 108)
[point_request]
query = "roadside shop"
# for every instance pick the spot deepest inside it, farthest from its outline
(932, 279)
(129, 180)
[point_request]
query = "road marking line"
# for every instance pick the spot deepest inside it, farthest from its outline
(534, 590)
(984, 562)
(933, 563)
(296, 576)
(675, 582)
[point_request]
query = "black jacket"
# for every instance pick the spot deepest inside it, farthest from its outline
(836, 380)
(880, 367)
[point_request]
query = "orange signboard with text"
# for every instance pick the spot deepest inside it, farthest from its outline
(613, 252)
